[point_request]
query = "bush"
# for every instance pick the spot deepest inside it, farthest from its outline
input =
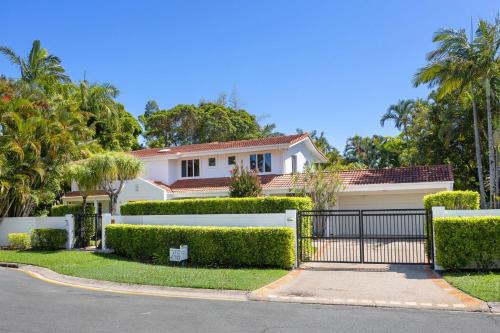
(217, 206)
(49, 239)
(452, 200)
(467, 242)
(208, 246)
(62, 210)
(19, 241)
(244, 183)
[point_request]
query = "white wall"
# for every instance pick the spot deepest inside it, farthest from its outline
(382, 200)
(303, 153)
(156, 170)
(26, 224)
(140, 189)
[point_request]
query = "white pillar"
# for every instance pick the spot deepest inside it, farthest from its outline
(436, 212)
(96, 207)
(291, 221)
(106, 219)
(70, 227)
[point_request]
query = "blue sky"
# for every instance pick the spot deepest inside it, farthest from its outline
(333, 66)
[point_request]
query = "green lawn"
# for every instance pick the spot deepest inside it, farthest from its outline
(110, 267)
(485, 286)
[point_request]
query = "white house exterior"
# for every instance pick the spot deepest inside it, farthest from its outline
(203, 170)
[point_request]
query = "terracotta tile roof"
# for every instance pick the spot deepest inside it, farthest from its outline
(416, 174)
(276, 140)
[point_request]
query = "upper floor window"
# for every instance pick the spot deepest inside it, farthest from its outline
(211, 161)
(260, 162)
(231, 160)
(190, 168)
(294, 163)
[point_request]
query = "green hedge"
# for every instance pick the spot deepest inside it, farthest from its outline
(19, 241)
(217, 206)
(62, 210)
(49, 239)
(452, 200)
(467, 242)
(208, 246)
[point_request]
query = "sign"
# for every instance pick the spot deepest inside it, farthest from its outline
(179, 254)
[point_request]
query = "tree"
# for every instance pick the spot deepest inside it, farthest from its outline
(400, 113)
(150, 108)
(321, 185)
(85, 179)
(244, 183)
(39, 66)
(111, 170)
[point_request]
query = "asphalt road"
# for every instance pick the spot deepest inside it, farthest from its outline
(31, 305)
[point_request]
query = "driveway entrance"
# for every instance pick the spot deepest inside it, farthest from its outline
(397, 236)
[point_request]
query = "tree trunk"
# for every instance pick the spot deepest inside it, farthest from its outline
(479, 162)
(113, 201)
(491, 150)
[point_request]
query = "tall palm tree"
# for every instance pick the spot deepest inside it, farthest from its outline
(39, 66)
(401, 113)
(487, 43)
(453, 67)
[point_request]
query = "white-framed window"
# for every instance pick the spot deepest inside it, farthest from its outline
(190, 168)
(212, 161)
(294, 163)
(261, 162)
(231, 160)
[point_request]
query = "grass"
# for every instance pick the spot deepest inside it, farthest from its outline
(483, 285)
(111, 267)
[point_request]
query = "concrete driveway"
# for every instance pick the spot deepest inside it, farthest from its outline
(412, 286)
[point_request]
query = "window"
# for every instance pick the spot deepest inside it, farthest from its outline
(190, 168)
(231, 160)
(260, 162)
(211, 161)
(294, 163)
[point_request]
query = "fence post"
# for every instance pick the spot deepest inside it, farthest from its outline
(291, 221)
(436, 212)
(70, 227)
(106, 219)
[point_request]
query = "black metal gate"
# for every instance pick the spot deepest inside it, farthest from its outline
(88, 230)
(397, 236)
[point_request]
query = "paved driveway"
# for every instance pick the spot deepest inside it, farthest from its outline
(31, 305)
(413, 286)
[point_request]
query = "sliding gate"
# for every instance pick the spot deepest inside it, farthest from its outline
(396, 236)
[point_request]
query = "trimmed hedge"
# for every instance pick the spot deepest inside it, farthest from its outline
(467, 242)
(49, 239)
(216, 206)
(62, 210)
(19, 241)
(452, 200)
(208, 246)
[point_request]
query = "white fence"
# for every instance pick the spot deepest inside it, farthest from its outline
(10, 225)
(443, 212)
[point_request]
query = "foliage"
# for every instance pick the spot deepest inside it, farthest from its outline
(467, 242)
(110, 267)
(62, 210)
(19, 241)
(49, 239)
(261, 205)
(482, 285)
(244, 183)
(207, 246)
(452, 200)
(109, 172)
(374, 152)
(321, 185)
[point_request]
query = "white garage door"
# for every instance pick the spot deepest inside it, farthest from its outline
(381, 200)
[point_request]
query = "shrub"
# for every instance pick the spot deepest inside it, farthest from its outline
(452, 200)
(208, 246)
(61, 210)
(217, 206)
(244, 183)
(19, 241)
(467, 242)
(49, 239)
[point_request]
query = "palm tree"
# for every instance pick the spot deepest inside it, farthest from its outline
(39, 66)
(401, 113)
(453, 67)
(487, 43)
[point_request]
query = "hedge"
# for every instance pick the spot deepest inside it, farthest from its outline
(49, 239)
(467, 242)
(216, 206)
(207, 246)
(452, 200)
(19, 241)
(62, 210)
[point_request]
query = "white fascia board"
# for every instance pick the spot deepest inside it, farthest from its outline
(313, 148)
(215, 152)
(447, 185)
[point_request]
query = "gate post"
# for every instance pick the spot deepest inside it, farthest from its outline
(106, 219)
(70, 227)
(361, 243)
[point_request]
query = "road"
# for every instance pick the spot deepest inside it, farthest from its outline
(31, 305)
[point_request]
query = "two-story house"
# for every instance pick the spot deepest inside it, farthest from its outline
(203, 170)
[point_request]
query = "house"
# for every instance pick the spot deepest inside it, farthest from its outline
(203, 170)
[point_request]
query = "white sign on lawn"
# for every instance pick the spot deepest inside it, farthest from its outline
(180, 254)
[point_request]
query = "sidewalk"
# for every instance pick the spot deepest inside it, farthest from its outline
(407, 286)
